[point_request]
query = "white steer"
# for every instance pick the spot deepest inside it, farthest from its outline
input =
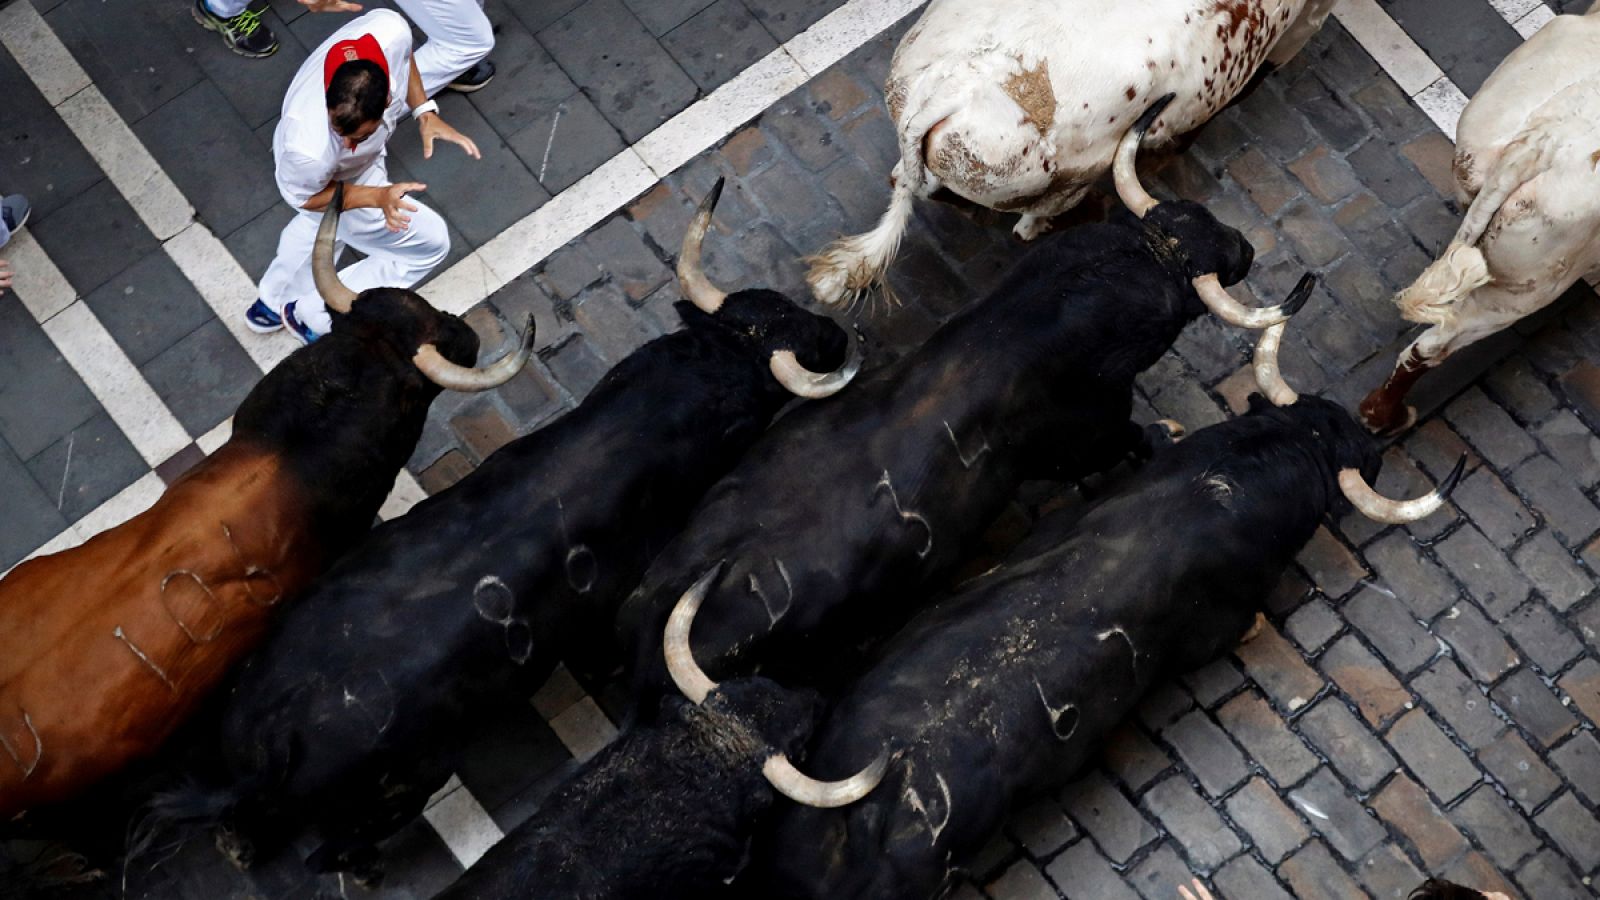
(1018, 105)
(1527, 152)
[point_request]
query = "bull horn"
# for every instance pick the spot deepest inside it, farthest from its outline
(1268, 376)
(335, 295)
(1221, 303)
(1124, 171)
(453, 377)
(804, 789)
(692, 682)
(1379, 508)
(691, 276)
(802, 382)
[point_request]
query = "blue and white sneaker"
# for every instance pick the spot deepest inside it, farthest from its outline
(261, 319)
(301, 330)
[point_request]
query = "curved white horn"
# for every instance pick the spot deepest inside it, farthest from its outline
(335, 295)
(451, 376)
(1268, 376)
(691, 276)
(802, 382)
(686, 673)
(802, 788)
(1376, 506)
(1124, 170)
(1221, 303)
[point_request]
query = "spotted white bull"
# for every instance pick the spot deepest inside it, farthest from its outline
(1018, 105)
(1528, 159)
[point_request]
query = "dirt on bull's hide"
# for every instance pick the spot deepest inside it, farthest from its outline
(1031, 90)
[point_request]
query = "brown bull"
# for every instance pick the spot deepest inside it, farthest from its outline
(106, 648)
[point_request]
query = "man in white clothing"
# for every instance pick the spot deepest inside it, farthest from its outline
(454, 56)
(343, 105)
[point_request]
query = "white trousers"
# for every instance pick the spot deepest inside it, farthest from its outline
(394, 258)
(458, 33)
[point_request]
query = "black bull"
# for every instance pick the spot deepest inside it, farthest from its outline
(850, 503)
(1007, 687)
(351, 715)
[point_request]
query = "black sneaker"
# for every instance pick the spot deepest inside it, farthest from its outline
(473, 79)
(245, 34)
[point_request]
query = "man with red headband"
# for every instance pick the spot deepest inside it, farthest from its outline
(347, 99)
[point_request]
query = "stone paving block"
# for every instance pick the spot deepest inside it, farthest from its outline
(1550, 567)
(747, 151)
(811, 138)
(1548, 875)
(1316, 241)
(1476, 642)
(528, 84)
(1459, 702)
(80, 471)
(1432, 224)
(1081, 872)
(858, 192)
(1346, 743)
(31, 368)
(208, 150)
(1213, 759)
(1272, 826)
(1190, 179)
(1327, 177)
(1336, 815)
(203, 377)
(482, 430)
(99, 218)
(1278, 668)
(1156, 877)
(1407, 809)
(1519, 770)
(178, 464)
(993, 858)
(787, 18)
(135, 60)
(1041, 828)
(1526, 699)
(1267, 739)
(1573, 445)
(1574, 829)
(1497, 586)
(1220, 139)
(1108, 817)
(1263, 181)
(148, 307)
(1331, 565)
(1390, 627)
(445, 472)
(1244, 879)
(1475, 869)
(631, 78)
(1579, 762)
(1194, 824)
(1133, 758)
(1388, 873)
(1520, 390)
(39, 155)
(1582, 684)
(1313, 874)
(1467, 45)
(524, 297)
(1273, 123)
(576, 366)
(565, 142)
(1313, 625)
(1328, 113)
(1490, 429)
(1021, 881)
(662, 16)
(256, 96)
(1493, 508)
(1414, 578)
(1542, 638)
(1436, 761)
(1363, 677)
(1371, 226)
(623, 256)
(1498, 827)
(1580, 385)
(718, 43)
(1213, 681)
(532, 396)
(1389, 108)
(788, 194)
(1386, 173)
(255, 243)
(1555, 494)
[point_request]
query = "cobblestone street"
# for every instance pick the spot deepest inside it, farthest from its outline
(1426, 698)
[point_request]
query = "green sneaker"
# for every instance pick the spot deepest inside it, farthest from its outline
(244, 34)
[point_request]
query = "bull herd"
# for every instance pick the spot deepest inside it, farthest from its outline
(817, 711)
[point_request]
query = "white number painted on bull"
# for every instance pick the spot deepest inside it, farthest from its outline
(182, 625)
(967, 463)
(1218, 488)
(251, 570)
(385, 697)
(773, 615)
(885, 484)
(576, 552)
(1056, 712)
(38, 747)
(914, 800)
(122, 636)
(1133, 652)
(495, 605)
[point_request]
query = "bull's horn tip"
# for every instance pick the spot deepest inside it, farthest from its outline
(530, 332)
(1300, 295)
(1454, 477)
(715, 194)
(1155, 109)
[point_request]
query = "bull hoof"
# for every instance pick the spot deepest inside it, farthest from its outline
(1386, 422)
(1030, 227)
(1255, 629)
(238, 850)
(1174, 428)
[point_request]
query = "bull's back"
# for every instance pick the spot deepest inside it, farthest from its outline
(105, 648)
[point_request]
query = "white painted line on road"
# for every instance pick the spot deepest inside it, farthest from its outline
(129, 502)
(1389, 44)
(29, 40)
(213, 440)
(405, 494)
(228, 290)
(127, 163)
(1537, 18)
(1443, 102)
(462, 822)
(1512, 10)
(583, 728)
(130, 401)
(39, 284)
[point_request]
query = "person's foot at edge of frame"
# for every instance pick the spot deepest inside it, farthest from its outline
(245, 33)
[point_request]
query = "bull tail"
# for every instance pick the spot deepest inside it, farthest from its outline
(851, 267)
(1462, 269)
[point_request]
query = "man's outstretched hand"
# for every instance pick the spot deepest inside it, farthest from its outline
(5, 276)
(395, 204)
(434, 127)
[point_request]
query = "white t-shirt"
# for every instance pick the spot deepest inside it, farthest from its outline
(307, 152)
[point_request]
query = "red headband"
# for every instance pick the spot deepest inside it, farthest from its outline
(364, 47)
